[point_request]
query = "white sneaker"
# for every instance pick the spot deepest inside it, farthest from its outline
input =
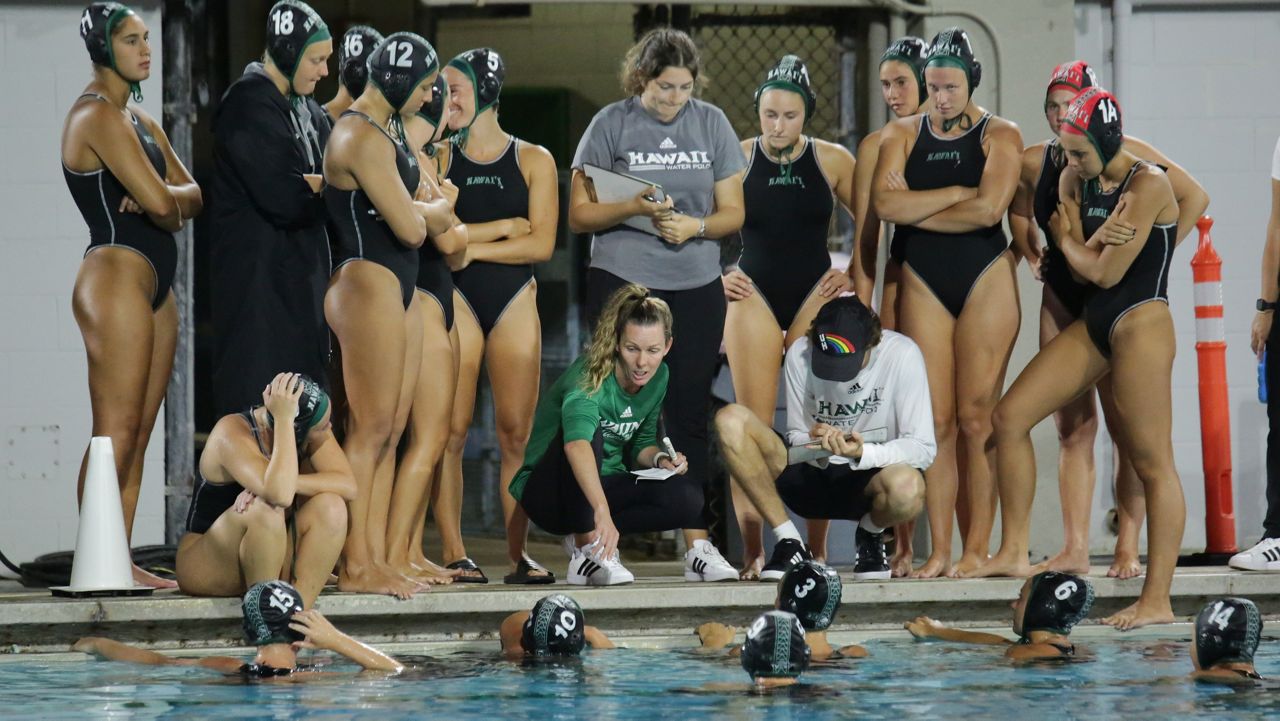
(703, 562)
(1263, 557)
(588, 568)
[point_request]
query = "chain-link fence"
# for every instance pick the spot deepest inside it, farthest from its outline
(740, 43)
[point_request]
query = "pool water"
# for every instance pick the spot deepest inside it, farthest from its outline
(902, 679)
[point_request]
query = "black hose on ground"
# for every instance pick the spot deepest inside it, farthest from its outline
(54, 569)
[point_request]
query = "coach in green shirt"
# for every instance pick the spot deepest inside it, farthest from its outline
(596, 423)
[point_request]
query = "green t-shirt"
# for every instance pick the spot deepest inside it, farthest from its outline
(629, 422)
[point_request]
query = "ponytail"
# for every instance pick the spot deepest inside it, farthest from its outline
(631, 303)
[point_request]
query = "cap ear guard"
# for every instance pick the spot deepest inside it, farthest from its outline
(775, 647)
(912, 51)
(812, 591)
(353, 67)
(1227, 631)
(952, 47)
(268, 607)
(399, 64)
(292, 26)
(555, 627)
(1056, 603)
(1095, 114)
(792, 74)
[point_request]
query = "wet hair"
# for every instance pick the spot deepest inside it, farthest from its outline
(631, 303)
(657, 50)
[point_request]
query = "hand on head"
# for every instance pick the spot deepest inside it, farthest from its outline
(281, 397)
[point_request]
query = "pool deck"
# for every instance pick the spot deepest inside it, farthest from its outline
(659, 604)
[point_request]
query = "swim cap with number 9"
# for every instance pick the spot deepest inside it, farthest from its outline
(775, 647)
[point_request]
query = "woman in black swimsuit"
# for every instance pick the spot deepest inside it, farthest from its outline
(508, 197)
(276, 624)
(792, 187)
(133, 193)
(1062, 303)
(371, 306)
(946, 179)
(428, 428)
(1115, 223)
(270, 500)
(1049, 605)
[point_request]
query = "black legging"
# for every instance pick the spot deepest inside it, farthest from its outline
(699, 326)
(1271, 525)
(554, 500)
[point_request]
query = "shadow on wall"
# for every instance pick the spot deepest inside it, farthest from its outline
(1249, 470)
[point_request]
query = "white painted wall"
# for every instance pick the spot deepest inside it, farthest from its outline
(44, 392)
(1195, 88)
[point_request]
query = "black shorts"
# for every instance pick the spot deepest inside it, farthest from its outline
(835, 492)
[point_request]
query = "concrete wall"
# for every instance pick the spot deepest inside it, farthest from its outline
(1194, 86)
(578, 46)
(44, 393)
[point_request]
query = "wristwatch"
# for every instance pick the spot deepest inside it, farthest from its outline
(1264, 305)
(702, 229)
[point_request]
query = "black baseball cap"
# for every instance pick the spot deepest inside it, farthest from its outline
(842, 335)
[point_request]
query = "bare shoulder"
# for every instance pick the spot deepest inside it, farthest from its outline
(1150, 179)
(870, 143)
(536, 156)
(145, 118)
(1033, 159)
(900, 128)
(1004, 130)
(833, 155)
(746, 145)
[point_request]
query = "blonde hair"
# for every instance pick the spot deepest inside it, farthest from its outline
(631, 303)
(657, 50)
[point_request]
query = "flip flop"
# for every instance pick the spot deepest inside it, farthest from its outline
(522, 575)
(466, 564)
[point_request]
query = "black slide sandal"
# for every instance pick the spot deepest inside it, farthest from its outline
(466, 564)
(521, 576)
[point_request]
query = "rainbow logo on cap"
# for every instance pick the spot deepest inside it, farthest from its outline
(835, 345)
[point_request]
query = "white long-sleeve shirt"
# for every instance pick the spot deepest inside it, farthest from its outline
(887, 403)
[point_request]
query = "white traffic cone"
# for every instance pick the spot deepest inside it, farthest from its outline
(102, 565)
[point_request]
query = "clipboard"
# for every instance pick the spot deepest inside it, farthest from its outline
(614, 187)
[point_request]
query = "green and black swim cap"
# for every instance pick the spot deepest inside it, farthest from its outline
(312, 405)
(487, 73)
(951, 49)
(433, 110)
(353, 58)
(268, 607)
(1056, 603)
(775, 647)
(555, 627)
(790, 74)
(292, 26)
(97, 23)
(399, 64)
(812, 592)
(912, 51)
(1227, 631)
